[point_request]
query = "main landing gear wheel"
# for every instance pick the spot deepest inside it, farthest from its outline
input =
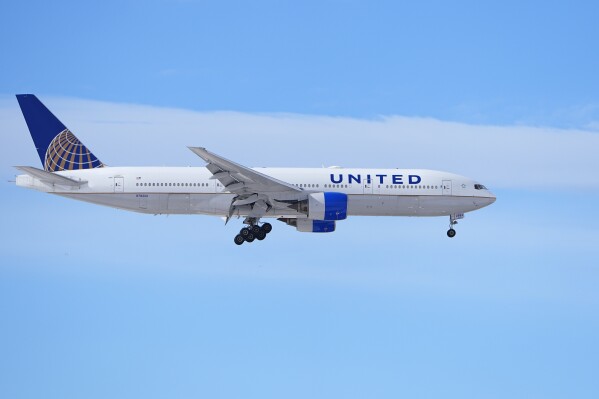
(451, 233)
(261, 235)
(266, 227)
(253, 232)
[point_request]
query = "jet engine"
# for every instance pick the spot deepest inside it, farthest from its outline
(310, 225)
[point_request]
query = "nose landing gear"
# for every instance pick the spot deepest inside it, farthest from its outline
(453, 220)
(253, 232)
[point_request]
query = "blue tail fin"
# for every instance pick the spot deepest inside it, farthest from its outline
(56, 146)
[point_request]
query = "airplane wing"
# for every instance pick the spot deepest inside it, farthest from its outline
(49, 177)
(252, 187)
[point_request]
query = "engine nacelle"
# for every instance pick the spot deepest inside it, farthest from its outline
(310, 225)
(315, 226)
(327, 206)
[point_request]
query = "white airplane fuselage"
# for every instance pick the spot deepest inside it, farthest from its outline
(312, 200)
(193, 190)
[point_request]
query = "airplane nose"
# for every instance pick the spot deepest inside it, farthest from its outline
(485, 200)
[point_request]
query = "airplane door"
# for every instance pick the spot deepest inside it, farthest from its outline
(446, 187)
(119, 184)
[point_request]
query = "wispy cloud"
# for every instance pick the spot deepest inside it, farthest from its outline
(499, 156)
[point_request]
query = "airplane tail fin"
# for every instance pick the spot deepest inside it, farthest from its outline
(56, 146)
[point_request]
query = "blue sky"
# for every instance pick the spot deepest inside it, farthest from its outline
(96, 302)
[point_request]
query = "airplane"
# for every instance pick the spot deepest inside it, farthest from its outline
(309, 199)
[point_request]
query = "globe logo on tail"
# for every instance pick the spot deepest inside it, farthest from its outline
(66, 152)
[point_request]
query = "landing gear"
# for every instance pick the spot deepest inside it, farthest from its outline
(253, 232)
(266, 227)
(452, 222)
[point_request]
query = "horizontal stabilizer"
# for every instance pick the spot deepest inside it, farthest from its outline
(49, 177)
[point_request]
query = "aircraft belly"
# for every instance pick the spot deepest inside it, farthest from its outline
(409, 205)
(218, 204)
(211, 204)
(444, 205)
(157, 203)
(372, 205)
(131, 202)
(177, 203)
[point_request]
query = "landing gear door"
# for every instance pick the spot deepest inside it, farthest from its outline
(119, 184)
(446, 187)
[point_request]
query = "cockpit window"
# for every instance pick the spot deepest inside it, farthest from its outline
(479, 187)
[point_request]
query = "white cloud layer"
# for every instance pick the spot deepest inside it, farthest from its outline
(498, 156)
